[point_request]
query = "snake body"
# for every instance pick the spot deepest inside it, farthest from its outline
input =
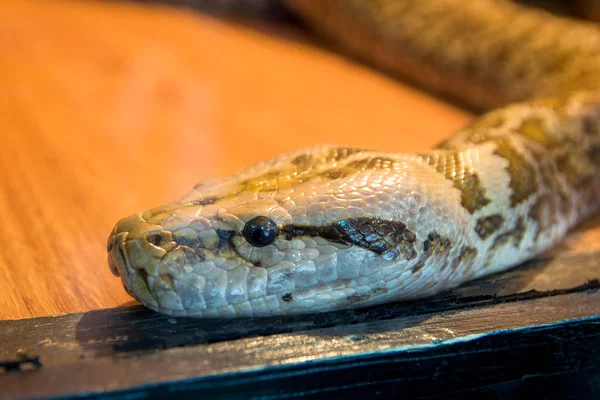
(333, 227)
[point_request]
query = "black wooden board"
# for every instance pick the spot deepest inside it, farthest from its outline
(533, 329)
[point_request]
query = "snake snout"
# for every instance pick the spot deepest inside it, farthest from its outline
(116, 257)
(121, 238)
(133, 255)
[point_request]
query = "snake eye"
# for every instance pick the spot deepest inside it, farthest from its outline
(260, 231)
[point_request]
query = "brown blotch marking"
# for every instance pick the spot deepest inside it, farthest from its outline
(269, 175)
(366, 296)
(590, 197)
(523, 177)
(590, 124)
(543, 211)
(390, 239)
(336, 173)
(565, 202)
(150, 215)
(515, 235)
(183, 255)
(306, 165)
(444, 144)
(203, 254)
(340, 153)
(287, 297)
(225, 238)
(186, 237)
(356, 166)
(593, 154)
(577, 168)
(465, 259)
(487, 226)
(206, 201)
(372, 163)
(567, 166)
(472, 193)
(355, 298)
(518, 231)
(267, 180)
(303, 161)
(535, 129)
(549, 176)
(307, 168)
(380, 290)
(268, 187)
(435, 246)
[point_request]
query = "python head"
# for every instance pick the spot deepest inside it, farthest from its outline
(316, 230)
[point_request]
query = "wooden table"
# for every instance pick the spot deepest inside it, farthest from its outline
(107, 109)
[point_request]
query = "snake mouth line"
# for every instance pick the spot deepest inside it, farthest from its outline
(135, 280)
(113, 267)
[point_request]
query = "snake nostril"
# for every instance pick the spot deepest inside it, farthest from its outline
(155, 239)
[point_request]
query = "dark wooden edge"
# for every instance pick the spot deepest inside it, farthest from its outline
(555, 361)
(428, 354)
(134, 352)
(131, 329)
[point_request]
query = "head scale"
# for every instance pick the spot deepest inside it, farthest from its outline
(285, 236)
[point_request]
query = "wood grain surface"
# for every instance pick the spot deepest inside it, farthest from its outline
(107, 109)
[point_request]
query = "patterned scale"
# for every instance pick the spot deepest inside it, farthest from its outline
(333, 227)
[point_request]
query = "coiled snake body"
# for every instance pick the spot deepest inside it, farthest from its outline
(333, 227)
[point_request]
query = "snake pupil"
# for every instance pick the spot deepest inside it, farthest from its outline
(260, 231)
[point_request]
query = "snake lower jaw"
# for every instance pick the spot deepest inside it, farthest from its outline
(113, 266)
(133, 276)
(130, 255)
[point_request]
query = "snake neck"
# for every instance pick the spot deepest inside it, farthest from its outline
(487, 54)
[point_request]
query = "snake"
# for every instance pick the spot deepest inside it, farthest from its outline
(334, 227)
